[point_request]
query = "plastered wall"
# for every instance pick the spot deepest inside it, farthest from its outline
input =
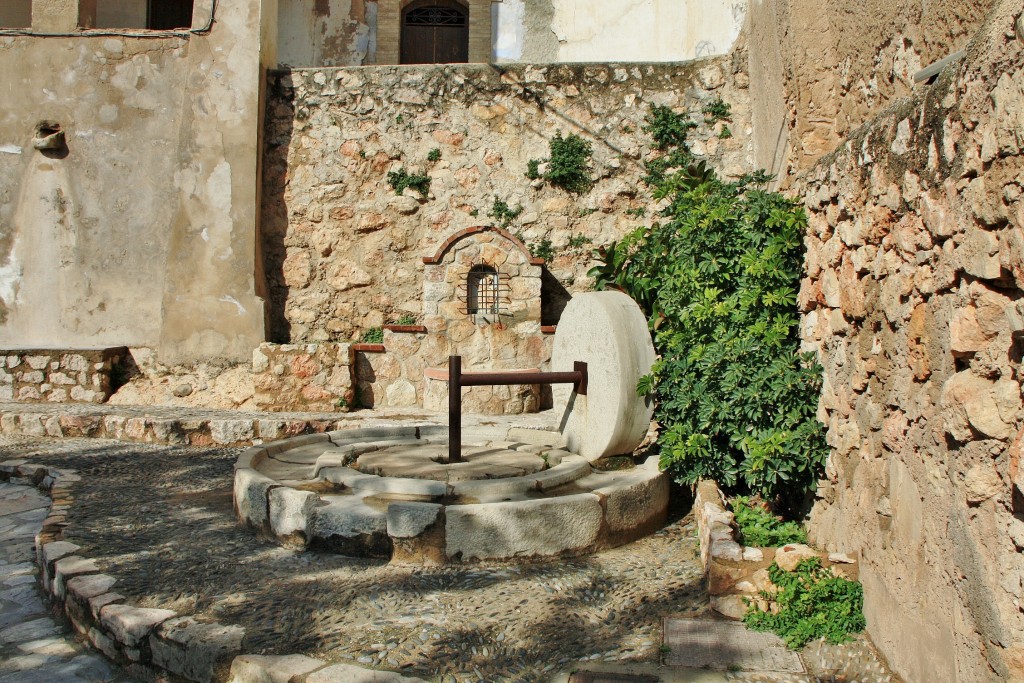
(141, 229)
(317, 33)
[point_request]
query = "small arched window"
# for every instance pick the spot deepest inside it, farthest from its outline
(483, 289)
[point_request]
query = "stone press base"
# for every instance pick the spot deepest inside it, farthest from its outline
(389, 492)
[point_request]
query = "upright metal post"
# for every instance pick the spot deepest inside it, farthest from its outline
(454, 409)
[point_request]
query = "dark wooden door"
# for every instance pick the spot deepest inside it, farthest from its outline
(435, 32)
(168, 14)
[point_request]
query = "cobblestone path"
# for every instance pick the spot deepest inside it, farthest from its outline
(159, 519)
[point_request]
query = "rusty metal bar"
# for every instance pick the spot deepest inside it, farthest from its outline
(457, 380)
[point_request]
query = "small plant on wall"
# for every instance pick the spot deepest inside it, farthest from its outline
(503, 214)
(401, 180)
(568, 167)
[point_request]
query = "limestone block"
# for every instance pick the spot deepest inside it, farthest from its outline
(788, 556)
(347, 516)
(727, 550)
(522, 528)
(729, 606)
(193, 650)
(637, 502)
(131, 625)
(607, 331)
(68, 567)
(400, 394)
(49, 554)
(290, 512)
(969, 399)
(226, 432)
(251, 492)
(84, 587)
(263, 669)
(408, 520)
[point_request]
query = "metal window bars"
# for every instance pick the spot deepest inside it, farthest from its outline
(435, 16)
(486, 291)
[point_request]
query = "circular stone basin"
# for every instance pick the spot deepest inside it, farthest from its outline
(388, 492)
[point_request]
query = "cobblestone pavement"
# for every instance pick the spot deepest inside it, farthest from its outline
(33, 647)
(159, 519)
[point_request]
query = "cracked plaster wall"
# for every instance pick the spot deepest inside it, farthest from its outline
(141, 232)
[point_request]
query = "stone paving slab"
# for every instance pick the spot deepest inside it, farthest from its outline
(700, 643)
(33, 647)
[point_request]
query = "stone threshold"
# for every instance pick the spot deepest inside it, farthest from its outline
(149, 643)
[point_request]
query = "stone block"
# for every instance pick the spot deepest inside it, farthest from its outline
(290, 514)
(264, 669)
(789, 556)
(132, 625)
(227, 432)
(527, 528)
(193, 650)
(251, 492)
(408, 520)
(66, 568)
(637, 502)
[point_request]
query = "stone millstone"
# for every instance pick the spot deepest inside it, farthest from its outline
(607, 331)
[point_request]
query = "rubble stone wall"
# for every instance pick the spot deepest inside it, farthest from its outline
(302, 377)
(914, 301)
(40, 375)
(343, 252)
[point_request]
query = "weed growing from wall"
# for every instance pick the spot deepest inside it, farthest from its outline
(401, 180)
(503, 214)
(374, 335)
(568, 167)
(760, 528)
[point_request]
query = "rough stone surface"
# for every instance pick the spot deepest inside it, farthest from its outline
(194, 650)
(291, 512)
(523, 528)
(919, 217)
(608, 331)
(271, 669)
(131, 625)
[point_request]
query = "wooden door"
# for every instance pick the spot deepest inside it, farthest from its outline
(435, 32)
(168, 14)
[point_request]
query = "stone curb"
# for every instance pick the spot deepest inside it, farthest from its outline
(240, 431)
(151, 644)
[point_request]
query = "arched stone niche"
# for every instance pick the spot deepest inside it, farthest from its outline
(482, 300)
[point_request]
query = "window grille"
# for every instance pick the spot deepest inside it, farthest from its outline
(486, 291)
(435, 16)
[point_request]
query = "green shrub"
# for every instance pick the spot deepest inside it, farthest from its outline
(812, 603)
(578, 240)
(407, 319)
(668, 129)
(374, 335)
(718, 277)
(434, 154)
(567, 167)
(400, 180)
(758, 527)
(503, 214)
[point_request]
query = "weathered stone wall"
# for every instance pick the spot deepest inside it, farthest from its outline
(344, 253)
(303, 377)
(819, 70)
(914, 301)
(40, 375)
(141, 229)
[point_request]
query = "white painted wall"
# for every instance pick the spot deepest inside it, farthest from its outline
(121, 14)
(616, 30)
(15, 13)
(310, 36)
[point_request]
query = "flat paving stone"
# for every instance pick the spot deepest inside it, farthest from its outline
(706, 643)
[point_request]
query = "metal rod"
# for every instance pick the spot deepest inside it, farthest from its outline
(456, 380)
(454, 409)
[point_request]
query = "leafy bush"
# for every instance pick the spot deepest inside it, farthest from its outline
(668, 130)
(401, 179)
(578, 240)
(407, 319)
(812, 603)
(434, 154)
(759, 527)
(718, 277)
(567, 167)
(542, 249)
